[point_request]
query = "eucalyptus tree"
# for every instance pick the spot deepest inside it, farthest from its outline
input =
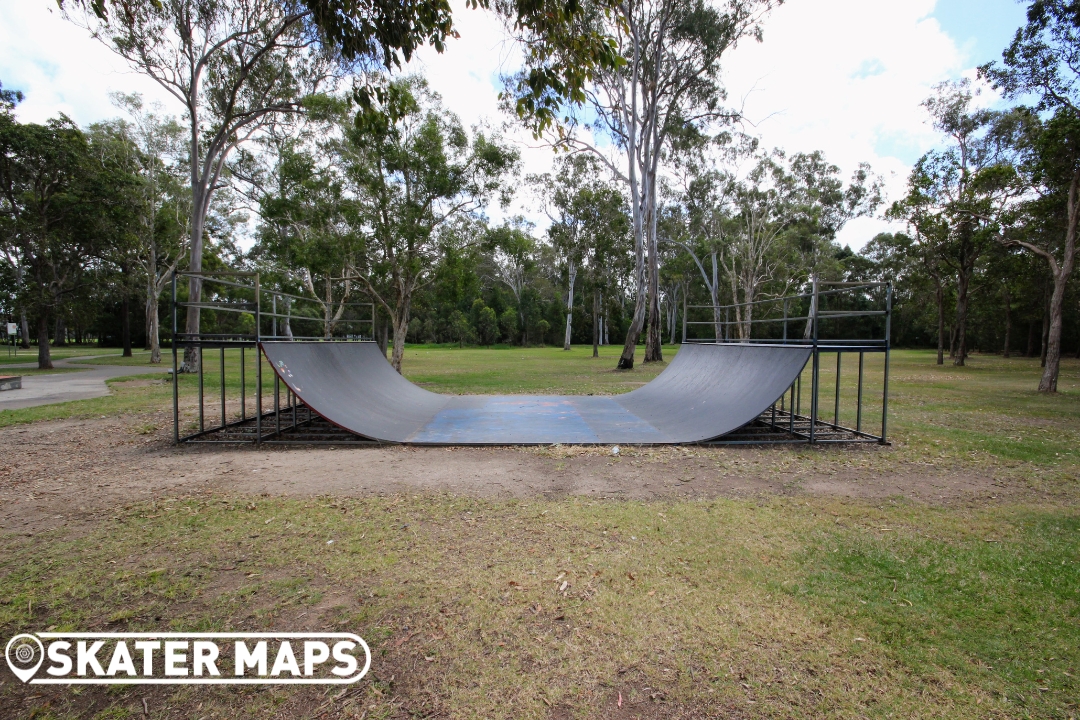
(514, 256)
(305, 229)
(820, 206)
(154, 152)
(414, 171)
(667, 79)
(235, 66)
(764, 231)
(588, 219)
(960, 196)
(1043, 61)
(699, 219)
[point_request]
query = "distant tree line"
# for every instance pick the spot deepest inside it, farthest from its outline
(348, 182)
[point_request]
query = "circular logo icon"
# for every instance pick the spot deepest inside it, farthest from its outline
(25, 654)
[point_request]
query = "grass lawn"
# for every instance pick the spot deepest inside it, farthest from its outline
(13, 355)
(772, 606)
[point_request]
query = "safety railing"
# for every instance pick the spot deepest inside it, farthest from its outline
(820, 320)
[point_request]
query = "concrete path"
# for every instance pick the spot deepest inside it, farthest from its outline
(64, 387)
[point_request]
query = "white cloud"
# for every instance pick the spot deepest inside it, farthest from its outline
(61, 69)
(847, 77)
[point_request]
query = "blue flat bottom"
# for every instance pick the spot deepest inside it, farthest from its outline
(534, 419)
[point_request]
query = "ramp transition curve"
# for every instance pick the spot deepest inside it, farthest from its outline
(705, 392)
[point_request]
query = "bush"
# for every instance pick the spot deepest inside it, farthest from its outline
(508, 325)
(487, 325)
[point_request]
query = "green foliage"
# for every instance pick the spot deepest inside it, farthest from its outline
(508, 324)
(487, 323)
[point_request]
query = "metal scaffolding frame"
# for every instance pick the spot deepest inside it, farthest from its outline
(280, 419)
(785, 420)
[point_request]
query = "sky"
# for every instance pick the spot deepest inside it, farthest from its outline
(842, 76)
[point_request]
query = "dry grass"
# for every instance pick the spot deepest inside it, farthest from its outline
(494, 609)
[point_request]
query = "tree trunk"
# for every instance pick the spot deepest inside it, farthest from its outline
(147, 326)
(60, 332)
(1031, 340)
(673, 316)
(654, 351)
(686, 291)
(287, 330)
(1008, 323)
(811, 315)
(570, 304)
(148, 343)
(626, 360)
(155, 331)
(401, 326)
(382, 330)
(125, 324)
(25, 326)
(596, 323)
(963, 281)
(1052, 355)
(940, 294)
(44, 359)
(191, 325)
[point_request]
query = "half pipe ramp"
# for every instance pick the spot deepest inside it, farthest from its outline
(705, 392)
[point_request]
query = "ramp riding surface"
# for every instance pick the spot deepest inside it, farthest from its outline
(705, 392)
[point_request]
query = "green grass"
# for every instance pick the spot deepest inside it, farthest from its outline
(770, 607)
(21, 355)
(780, 608)
(526, 371)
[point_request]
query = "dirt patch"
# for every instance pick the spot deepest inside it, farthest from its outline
(72, 471)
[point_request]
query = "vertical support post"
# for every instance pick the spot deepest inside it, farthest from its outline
(292, 399)
(888, 344)
(858, 411)
(683, 319)
(816, 369)
(774, 414)
(175, 368)
(243, 386)
(727, 321)
(785, 321)
(273, 309)
(836, 406)
(202, 423)
(277, 403)
(258, 310)
(223, 418)
(791, 411)
(258, 364)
